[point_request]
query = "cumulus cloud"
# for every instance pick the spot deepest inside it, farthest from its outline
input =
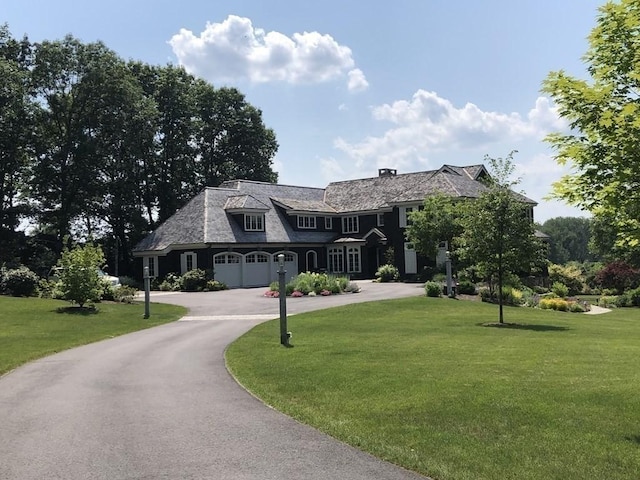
(357, 81)
(235, 50)
(427, 124)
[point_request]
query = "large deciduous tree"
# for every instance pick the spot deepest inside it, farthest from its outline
(498, 234)
(569, 239)
(604, 115)
(16, 123)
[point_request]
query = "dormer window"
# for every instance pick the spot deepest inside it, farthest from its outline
(254, 222)
(306, 221)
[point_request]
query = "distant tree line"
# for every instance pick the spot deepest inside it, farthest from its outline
(92, 146)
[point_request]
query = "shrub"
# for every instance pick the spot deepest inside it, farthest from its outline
(510, 296)
(171, 283)
(608, 301)
(46, 288)
(107, 291)
(569, 275)
(387, 273)
(433, 289)
(618, 276)
(124, 293)
(194, 280)
(560, 289)
(20, 282)
(465, 287)
(79, 279)
(559, 304)
(216, 285)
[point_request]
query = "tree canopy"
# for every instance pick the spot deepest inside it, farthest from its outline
(604, 116)
(95, 147)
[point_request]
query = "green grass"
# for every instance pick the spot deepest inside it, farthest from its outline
(421, 383)
(31, 328)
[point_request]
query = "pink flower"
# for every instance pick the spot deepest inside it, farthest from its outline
(297, 293)
(324, 293)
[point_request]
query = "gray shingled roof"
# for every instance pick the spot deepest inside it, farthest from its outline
(193, 225)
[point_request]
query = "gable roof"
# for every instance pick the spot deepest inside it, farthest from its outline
(214, 215)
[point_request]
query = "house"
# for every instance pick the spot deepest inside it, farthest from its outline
(239, 228)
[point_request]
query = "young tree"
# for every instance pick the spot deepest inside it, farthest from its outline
(604, 116)
(79, 279)
(438, 221)
(498, 234)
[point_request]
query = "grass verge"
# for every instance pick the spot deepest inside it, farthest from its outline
(422, 383)
(31, 328)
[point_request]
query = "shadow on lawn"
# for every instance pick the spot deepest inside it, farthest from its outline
(522, 326)
(76, 310)
(633, 438)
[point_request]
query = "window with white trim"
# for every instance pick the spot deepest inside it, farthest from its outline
(188, 261)
(381, 219)
(306, 221)
(328, 223)
(353, 259)
(254, 222)
(336, 259)
(350, 224)
(256, 258)
(152, 264)
(404, 214)
(225, 258)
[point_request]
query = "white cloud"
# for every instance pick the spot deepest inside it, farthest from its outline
(357, 81)
(428, 124)
(235, 50)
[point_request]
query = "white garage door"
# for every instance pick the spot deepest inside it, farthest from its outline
(227, 268)
(257, 269)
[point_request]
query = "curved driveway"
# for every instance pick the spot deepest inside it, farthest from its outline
(160, 404)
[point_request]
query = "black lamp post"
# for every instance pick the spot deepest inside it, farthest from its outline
(282, 296)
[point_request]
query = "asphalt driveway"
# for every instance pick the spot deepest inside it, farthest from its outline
(160, 404)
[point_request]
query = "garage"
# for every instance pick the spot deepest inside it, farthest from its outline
(257, 269)
(227, 268)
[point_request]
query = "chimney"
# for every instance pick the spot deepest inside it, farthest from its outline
(387, 172)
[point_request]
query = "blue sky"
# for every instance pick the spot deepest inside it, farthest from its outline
(350, 87)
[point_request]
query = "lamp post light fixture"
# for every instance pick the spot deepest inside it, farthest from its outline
(282, 296)
(147, 289)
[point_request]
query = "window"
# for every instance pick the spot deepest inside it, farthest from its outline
(328, 224)
(188, 261)
(306, 221)
(256, 258)
(152, 264)
(381, 219)
(336, 260)
(224, 258)
(350, 225)
(254, 223)
(404, 215)
(353, 259)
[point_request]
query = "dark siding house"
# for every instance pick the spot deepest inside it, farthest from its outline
(239, 228)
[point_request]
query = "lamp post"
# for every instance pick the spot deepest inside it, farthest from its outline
(282, 296)
(449, 279)
(147, 289)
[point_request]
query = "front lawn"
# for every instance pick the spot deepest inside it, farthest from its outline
(421, 383)
(31, 328)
